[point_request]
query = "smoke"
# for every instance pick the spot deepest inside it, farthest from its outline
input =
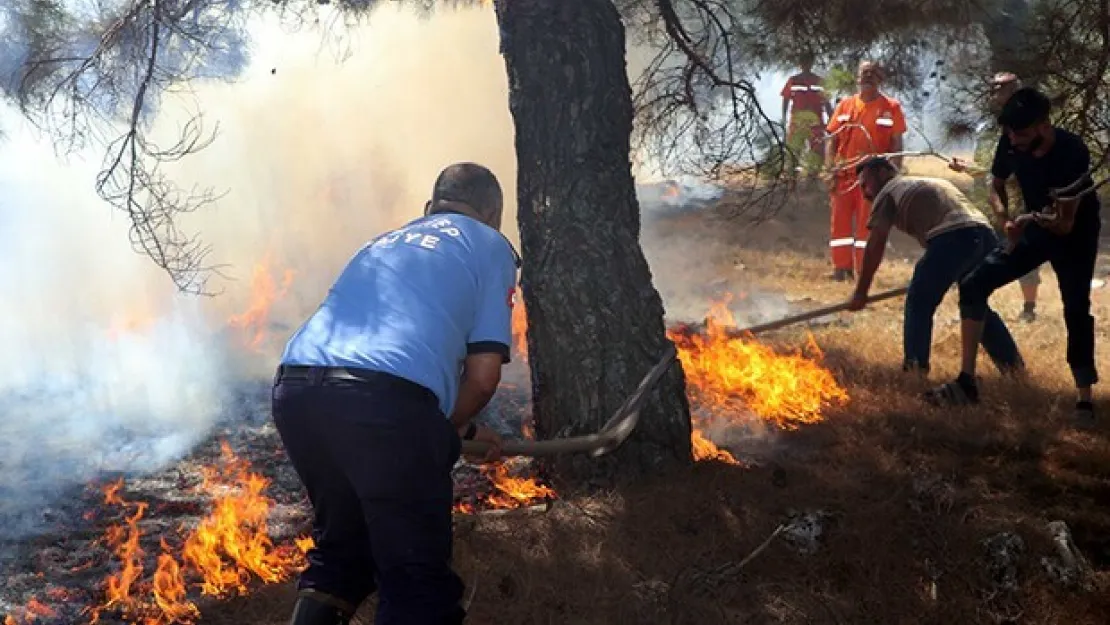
(108, 369)
(326, 140)
(332, 137)
(104, 369)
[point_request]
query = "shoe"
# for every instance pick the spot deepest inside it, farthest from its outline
(961, 392)
(843, 275)
(315, 608)
(1084, 414)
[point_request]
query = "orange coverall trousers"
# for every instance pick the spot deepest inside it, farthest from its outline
(848, 228)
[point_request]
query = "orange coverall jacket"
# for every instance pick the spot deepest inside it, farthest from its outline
(882, 120)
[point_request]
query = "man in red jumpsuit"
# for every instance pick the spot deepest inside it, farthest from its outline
(867, 122)
(803, 93)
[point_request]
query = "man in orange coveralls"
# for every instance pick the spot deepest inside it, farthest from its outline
(867, 122)
(803, 93)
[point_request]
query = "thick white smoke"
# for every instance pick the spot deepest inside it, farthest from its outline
(106, 368)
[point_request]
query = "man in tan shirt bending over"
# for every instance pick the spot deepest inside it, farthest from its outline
(956, 238)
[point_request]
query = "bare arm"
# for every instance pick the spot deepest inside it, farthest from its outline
(872, 257)
(481, 375)
(999, 199)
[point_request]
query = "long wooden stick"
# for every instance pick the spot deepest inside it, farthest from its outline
(799, 318)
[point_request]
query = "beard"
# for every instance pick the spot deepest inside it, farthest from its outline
(1033, 144)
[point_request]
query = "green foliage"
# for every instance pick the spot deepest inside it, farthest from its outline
(793, 156)
(839, 82)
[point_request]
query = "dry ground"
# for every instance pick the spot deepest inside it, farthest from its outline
(909, 493)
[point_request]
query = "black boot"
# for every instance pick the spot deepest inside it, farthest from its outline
(314, 608)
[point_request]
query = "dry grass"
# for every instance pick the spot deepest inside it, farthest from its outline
(911, 492)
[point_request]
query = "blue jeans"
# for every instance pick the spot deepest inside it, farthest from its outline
(948, 258)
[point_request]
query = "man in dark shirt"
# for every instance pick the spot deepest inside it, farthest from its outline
(1044, 159)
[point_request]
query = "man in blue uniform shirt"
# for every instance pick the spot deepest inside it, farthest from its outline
(374, 392)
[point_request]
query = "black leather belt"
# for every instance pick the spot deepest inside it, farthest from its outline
(380, 379)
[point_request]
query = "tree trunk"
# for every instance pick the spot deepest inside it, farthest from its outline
(595, 322)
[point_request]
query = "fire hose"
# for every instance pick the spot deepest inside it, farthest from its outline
(1047, 215)
(609, 437)
(618, 428)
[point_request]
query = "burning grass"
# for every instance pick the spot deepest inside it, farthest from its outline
(224, 553)
(880, 510)
(739, 383)
(230, 550)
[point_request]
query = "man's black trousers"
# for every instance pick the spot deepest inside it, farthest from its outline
(1073, 259)
(375, 455)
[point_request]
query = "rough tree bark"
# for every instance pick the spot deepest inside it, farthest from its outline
(595, 322)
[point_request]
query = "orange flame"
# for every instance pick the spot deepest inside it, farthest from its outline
(726, 374)
(232, 542)
(509, 492)
(32, 612)
(122, 590)
(226, 548)
(304, 543)
(520, 327)
(513, 492)
(169, 590)
(704, 449)
(124, 542)
(264, 292)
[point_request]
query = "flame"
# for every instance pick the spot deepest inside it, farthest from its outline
(704, 449)
(728, 376)
(725, 373)
(513, 492)
(232, 542)
(264, 292)
(463, 507)
(32, 612)
(124, 542)
(508, 492)
(123, 590)
(226, 549)
(304, 543)
(169, 590)
(520, 327)
(527, 429)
